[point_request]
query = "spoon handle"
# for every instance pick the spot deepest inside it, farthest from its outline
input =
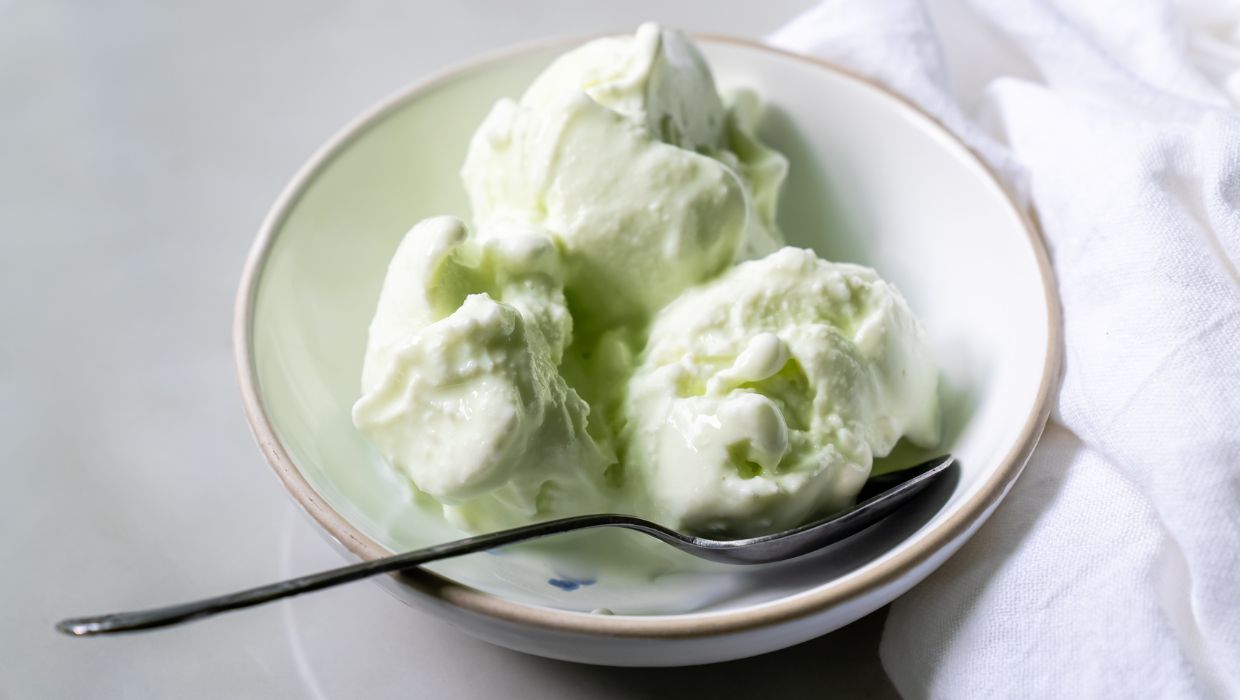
(184, 612)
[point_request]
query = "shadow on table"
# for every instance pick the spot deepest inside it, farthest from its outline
(841, 664)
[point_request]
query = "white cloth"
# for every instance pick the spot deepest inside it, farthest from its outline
(1113, 567)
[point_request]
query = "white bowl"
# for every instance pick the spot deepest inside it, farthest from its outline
(873, 180)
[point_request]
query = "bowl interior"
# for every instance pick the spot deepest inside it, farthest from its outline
(872, 181)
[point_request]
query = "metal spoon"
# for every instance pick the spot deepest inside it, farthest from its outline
(881, 496)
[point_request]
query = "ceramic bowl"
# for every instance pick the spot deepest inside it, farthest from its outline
(873, 180)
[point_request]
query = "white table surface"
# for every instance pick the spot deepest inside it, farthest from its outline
(140, 145)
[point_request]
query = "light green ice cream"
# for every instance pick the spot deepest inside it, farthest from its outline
(764, 395)
(623, 150)
(461, 388)
(589, 346)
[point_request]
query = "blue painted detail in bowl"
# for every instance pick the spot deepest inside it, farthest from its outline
(571, 584)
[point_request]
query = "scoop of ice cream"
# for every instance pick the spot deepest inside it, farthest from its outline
(461, 388)
(763, 396)
(623, 150)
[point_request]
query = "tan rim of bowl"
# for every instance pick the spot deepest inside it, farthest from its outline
(688, 625)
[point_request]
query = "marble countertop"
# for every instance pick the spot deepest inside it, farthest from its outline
(140, 145)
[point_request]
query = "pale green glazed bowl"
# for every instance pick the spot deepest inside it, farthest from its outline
(873, 180)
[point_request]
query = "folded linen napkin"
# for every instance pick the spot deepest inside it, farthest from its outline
(1113, 567)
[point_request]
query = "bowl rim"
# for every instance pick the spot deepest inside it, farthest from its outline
(687, 625)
